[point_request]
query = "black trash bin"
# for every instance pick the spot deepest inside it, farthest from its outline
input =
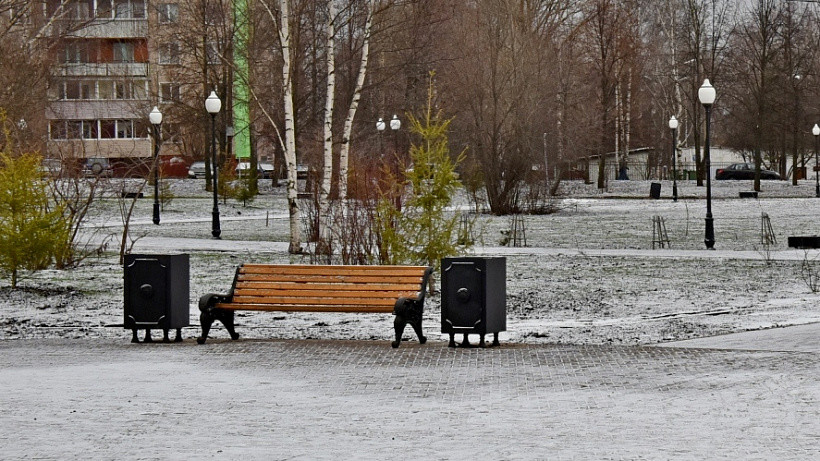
(473, 297)
(157, 294)
(655, 190)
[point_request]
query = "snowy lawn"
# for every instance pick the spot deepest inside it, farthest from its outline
(588, 274)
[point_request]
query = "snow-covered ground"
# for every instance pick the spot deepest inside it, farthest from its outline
(587, 275)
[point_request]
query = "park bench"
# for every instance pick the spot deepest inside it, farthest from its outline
(315, 288)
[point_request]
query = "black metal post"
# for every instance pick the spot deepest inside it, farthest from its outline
(709, 239)
(816, 169)
(156, 173)
(397, 162)
(215, 230)
(674, 165)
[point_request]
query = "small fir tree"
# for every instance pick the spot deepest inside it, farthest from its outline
(31, 232)
(422, 230)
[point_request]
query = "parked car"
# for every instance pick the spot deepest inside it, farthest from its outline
(196, 170)
(173, 167)
(265, 169)
(302, 171)
(97, 167)
(52, 167)
(744, 171)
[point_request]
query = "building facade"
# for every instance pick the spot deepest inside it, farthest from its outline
(107, 74)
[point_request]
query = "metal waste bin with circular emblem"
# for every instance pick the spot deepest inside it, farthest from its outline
(473, 297)
(157, 294)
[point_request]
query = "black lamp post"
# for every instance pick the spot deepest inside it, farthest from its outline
(707, 95)
(395, 124)
(155, 117)
(380, 126)
(673, 125)
(816, 132)
(213, 105)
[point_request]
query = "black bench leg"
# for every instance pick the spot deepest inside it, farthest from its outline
(417, 328)
(178, 338)
(165, 337)
(495, 340)
(452, 340)
(227, 319)
(207, 318)
(148, 338)
(398, 325)
(134, 338)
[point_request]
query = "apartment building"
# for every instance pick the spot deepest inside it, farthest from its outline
(107, 75)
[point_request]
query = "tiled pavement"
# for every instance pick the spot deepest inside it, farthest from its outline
(108, 399)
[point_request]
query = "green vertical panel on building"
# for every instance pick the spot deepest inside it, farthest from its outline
(241, 102)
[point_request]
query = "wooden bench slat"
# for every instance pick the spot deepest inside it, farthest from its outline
(314, 293)
(392, 287)
(317, 301)
(306, 308)
(325, 279)
(312, 269)
(380, 271)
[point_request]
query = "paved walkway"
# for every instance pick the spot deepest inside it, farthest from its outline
(756, 398)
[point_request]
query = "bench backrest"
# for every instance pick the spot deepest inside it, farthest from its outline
(325, 288)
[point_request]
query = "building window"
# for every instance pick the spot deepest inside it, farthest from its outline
(168, 13)
(105, 9)
(169, 92)
(122, 90)
(78, 9)
(75, 51)
(139, 89)
(77, 89)
(129, 9)
(123, 52)
(90, 129)
(74, 129)
(106, 88)
(108, 129)
(169, 53)
(125, 129)
(57, 130)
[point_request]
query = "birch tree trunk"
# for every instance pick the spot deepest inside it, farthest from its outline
(324, 194)
(344, 153)
(627, 125)
(617, 156)
(290, 129)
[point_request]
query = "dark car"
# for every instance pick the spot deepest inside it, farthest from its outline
(265, 170)
(97, 167)
(744, 171)
(196, 170)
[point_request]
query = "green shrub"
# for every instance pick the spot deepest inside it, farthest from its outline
(32, 232)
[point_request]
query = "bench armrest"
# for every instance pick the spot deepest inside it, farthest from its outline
(208, 301)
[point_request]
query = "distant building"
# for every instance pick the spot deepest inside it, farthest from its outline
(106, 76)
(641, 164)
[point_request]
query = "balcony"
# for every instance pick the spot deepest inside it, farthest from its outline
(122, 69)
(81, 109)
(105, 28)
(111, 148)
